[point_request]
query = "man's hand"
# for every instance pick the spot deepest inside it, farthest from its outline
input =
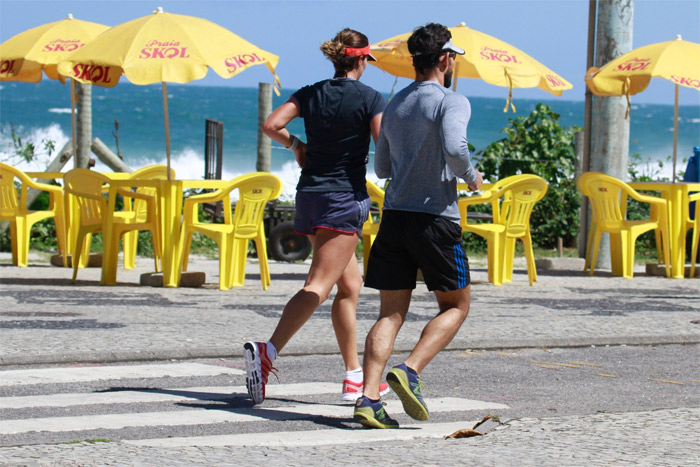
(477, 184)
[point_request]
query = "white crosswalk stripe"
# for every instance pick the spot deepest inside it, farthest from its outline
(126, 396)
(96, 373)
(196, 417)
(189, 406)
(312, 437)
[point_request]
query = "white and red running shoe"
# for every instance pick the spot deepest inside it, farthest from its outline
(258, 366)
(352, 390)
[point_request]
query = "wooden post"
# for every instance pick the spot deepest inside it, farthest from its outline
(264, 143)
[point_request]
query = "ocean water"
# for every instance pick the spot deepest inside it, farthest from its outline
(41, 111)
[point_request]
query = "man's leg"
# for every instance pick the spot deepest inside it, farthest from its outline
(380, 340)
(404, 379)
(454, 307)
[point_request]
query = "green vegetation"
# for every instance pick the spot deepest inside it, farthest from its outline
(537, 144)
(90, 441)
(25, 151)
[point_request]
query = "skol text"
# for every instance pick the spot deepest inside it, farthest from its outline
(94, 73)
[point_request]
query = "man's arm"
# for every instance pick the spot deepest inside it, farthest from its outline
(456, 112)
(382, 161)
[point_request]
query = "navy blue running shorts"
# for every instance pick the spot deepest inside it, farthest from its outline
(342, 211)
(408, 241)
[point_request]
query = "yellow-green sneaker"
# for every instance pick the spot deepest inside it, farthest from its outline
(408, 386)
(372, 414)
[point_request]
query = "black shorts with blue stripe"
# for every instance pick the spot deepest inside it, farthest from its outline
(408, 241)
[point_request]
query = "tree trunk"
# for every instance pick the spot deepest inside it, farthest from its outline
(84, 125)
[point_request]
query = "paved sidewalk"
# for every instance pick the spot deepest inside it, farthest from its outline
(591, 440)
(46, 319)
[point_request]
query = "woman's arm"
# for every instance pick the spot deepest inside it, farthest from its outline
(374, 126)
(275, 125)
(275, 128)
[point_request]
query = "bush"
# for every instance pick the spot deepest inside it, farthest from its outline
(537, 144)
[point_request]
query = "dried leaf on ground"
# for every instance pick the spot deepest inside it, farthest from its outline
(469, 432)
(464, 433)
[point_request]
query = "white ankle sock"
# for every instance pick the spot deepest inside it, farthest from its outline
(271, 351)
(356, 376)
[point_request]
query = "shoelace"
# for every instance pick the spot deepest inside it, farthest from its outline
(420, 385)
(274, 371)
(265, 373)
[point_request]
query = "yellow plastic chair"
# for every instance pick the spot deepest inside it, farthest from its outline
(86, 185)
(512, 200)
(371, 226)
(608, 199)
(21, 219)
(695, 225)
(240, 227)
(140, 207)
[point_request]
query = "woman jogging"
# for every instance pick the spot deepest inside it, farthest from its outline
(340, 115)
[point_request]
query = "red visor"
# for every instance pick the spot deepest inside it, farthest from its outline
(359, 52)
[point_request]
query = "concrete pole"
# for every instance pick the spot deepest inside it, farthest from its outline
(264, 110)
(610, 131)
(84, 125)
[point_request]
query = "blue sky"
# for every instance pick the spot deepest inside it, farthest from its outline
(552, 31)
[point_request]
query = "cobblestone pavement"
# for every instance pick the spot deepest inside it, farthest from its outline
(46, 319)
(652, 438)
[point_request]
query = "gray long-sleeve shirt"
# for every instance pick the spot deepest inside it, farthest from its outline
(423, 148)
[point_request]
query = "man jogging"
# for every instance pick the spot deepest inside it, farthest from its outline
(423, 148)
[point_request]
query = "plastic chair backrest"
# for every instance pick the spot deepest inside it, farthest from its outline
(150, 172)
(9, 204)
(608, 197)
(491, 194)
(86, 186)
(376, 195)
(255, 190)
(519, 198)
(153, 172)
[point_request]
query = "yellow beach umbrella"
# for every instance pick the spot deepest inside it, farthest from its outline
(677, 61)
(166, 48)
(24, 56)
(486, 58)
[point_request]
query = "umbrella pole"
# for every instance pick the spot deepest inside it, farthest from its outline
(675, 134)
(455, 74)
(72, 121)
(167, 125)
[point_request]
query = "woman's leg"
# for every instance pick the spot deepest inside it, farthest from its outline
(343, 313)
(332, 252)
